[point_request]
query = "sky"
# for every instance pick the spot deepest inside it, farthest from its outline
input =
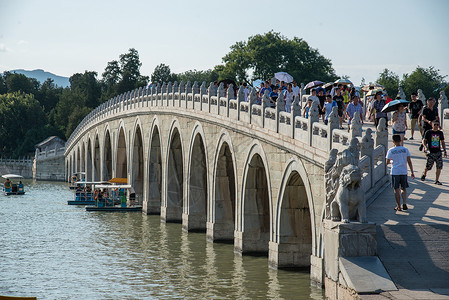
(361, 38)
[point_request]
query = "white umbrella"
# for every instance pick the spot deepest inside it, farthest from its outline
(283, 76)
(343, 81)
(367, 87)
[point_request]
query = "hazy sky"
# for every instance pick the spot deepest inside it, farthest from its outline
(360, 37)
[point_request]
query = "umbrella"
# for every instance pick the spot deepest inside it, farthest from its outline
(329, 84)
(257, 82)
(313, 84)
(343, 81)
(371, 86)
(394, 105)
(283, 76)
(373, 92)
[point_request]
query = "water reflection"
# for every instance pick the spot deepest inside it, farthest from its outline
(54, 251)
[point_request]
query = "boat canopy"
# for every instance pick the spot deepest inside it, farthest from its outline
(90, 182)
(119, 180)
(12, 176)
(115, 186)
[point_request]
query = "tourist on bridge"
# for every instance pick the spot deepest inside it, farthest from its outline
(328, 108)
(433, 142)
(378, 105)
(415, 107)
(399, 157)
(428, 115)
(289, 97)
(352, 108)
(339, 99)
(400, 122)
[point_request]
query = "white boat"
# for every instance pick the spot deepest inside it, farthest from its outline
(10, 188)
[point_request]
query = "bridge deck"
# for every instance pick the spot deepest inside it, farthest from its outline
(414, 244)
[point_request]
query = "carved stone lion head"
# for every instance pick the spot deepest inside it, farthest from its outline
(351, 177)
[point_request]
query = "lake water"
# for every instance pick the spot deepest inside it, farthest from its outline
(51, 250)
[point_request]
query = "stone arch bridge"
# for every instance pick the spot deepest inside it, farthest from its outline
(235, 169)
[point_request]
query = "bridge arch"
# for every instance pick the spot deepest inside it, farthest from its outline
(137, 160)
(174, 176)
(294, 233)
(255, 214)
(89, 160)
(107, 155)
(222, 208)
(121, 154)
(196, 200)
(154, 170)
(96, 158)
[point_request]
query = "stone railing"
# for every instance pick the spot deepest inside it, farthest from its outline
(49, 153)
(22, 166)
(18, 161)
(224, 103)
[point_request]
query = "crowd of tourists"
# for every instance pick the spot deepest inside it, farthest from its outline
(348, 103)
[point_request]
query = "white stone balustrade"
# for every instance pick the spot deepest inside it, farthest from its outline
(224, 104)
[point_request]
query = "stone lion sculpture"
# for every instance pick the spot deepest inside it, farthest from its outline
(349, 202)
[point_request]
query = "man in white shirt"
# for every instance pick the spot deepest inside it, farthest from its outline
(296, 89)
(314, 97)
(399, 156)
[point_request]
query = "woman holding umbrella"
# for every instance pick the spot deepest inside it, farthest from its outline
(400, 122)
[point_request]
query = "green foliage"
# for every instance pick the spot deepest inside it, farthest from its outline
(200, 76)
(19, 113)
(390, 81)
(162, 74)
(123, 76)
(264, 55)
(428, 80)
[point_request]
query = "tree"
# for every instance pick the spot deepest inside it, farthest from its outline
(428, 80)
(390, 81)
(48, 95)
(264, 55)
(87, 88)
(20, 83)
(123, 76)
(162, 74)
(200, 76)
(19, 113)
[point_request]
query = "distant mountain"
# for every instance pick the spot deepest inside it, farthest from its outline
(41, 76)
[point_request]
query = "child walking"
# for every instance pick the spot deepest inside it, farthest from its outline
(399, 157)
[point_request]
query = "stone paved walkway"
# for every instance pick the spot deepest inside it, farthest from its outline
(414, 244)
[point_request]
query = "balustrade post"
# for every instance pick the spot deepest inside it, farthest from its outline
(229, 96)
(265, 103)
(401, 93)
(203, 92)
(356, 126)
(313, 117)
(382, 138)
(220, 93)
(333, 123)
(240, 98)
(280, 106)
(174, 92)
(182, 88)
(296, 111)
(421, 97)
(169, 91)
(252, 99)
(210, 93)
(367, 148)
(195, 90)
(188, 90)
(442, 105)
